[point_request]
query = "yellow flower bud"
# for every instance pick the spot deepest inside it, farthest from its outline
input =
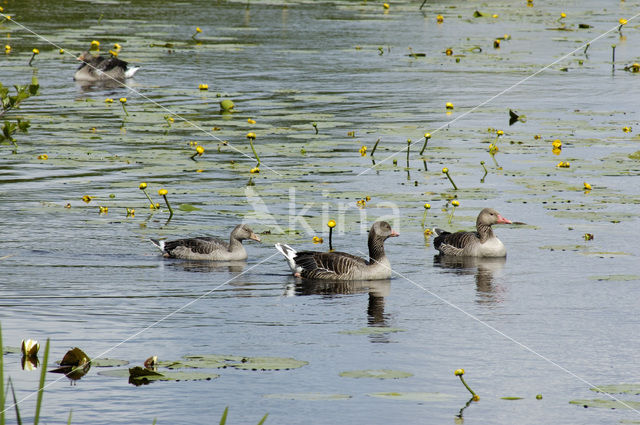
(455, 203)
(108, 100)
(449, 105)
(623, 21)
(427, 206)
(439, 19)
(199, 150)
(331, 224)
(251, 135)
(35, 51)
(203, 86)
(445, 170)
(250, 121)
(459, 372)
(142, 186)
(162, 192)
(123, 100)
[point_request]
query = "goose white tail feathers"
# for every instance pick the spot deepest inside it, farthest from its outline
(158, 244)
(290, 254)
(130, 72)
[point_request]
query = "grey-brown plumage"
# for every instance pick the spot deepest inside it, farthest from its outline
(481, 243)
(208, 248)
(340, 265)
(103, 68)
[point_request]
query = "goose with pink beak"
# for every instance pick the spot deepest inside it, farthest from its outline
(481, 243)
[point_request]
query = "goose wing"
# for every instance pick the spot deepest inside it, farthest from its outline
(200, 245)
(454, 243)
(327, 265)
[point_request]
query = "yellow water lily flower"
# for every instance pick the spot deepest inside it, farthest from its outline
(198, 29)
(363, 151)
(439, 19)
(87, 199)
(445, 170)
(449, 105)
(385, 5)
(103, 210)
(7, 48)
(459, 372)
(199, 150)
(203, 87)
(448, 52)
(623, 21)
(455, 203)
(61, 51)
(626, 129)
(557, 144)
(587, 186)
(331, 224)
(30, 348)
(563, 15)
(251, 135)
(317, 239)
(35, 51)
(500, 133)
(123, 100)
(162, 192)
(108, 100)
(496, 44)
(251, 121)
(427, 206)
(43, 157)
(142, 186)
(564, 164)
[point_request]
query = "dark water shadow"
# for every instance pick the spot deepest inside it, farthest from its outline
(483, 269)
(377, 290)
(204, 266)
(93, 86)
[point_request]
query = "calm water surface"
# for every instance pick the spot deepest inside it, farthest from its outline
(90, 280)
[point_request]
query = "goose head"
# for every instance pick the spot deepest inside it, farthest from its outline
(242, 232)
(489, 217)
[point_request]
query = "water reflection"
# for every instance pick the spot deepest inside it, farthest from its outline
(377, 289)
(208, 266)
(484, 270)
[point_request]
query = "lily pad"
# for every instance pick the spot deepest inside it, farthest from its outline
(308, 396)
(618, 389)
(510, 398)
(268, 363)
(10, 350)
(607, 404)
(616, 278)
(372, 331)
(142, 375)
(414, 396)
(188, 208)
(108, 362)
(376, 373)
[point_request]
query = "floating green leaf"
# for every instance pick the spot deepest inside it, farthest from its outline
(616, 277)
(188, 208)
(268, 363)
(511, 398)
(414, 396)
(618, 389)
(376, 373)
(607, 404)
(108, 362)
(372, 330)
(308, 396)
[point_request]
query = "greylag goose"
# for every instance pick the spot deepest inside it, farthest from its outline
(207, 248)
(481, 243)
(340, 265)
(102, 68)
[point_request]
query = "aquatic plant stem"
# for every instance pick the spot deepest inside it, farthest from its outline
(453, 211)
(476, 397)
(330, 238)
(446, 171)
(15, 402)
(168, 206)
(374, 147)
(485, 172)
(613, 56)
(408, 149)
(43, 374)
(254, 151)
(148, 197)
(427, 136)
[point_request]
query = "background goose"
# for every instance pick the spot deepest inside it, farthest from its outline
(207, 248)
(103, 68)
(340, 265)
(481, 243)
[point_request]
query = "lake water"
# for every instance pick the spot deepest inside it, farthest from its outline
(559, 315)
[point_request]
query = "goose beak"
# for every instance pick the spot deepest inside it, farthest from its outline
(394, 234)
(502, 220)
(257, 238)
